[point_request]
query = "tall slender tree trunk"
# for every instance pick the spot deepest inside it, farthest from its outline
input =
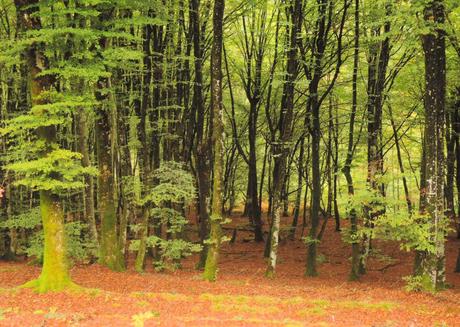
(400, 162)
(202, 149)
(217, 138)
(301, 165)
(355, 255)
(379, 54)
(281, 148)
(145, 156)
(110, 253)
(456, 135)
(88, 196)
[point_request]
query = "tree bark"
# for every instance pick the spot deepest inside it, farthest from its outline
(281, 147)
(55, 272)
(354, 272)
(217, 138)
(433, 262)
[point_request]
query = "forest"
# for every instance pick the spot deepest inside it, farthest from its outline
(230, 162)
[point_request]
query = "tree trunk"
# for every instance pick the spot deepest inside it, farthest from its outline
(379, 54)
(202, 149)
(433, 262)
(301, 165)
(55, 272)
(400, 162)
(281, 147)
(354, 273)
(145, 156)
(216, 217)
(110, 253)
(88, 197)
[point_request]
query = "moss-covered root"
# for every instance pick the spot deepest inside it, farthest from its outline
(46, 284)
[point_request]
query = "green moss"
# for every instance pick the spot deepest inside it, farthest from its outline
(386, 306)
(312, 311)
(270, 272)
(110, 253)
(247, 308)
(210, 268)
(55, 272)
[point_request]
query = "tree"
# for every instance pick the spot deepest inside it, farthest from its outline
(432, 266)
(281, 146)
(216, 216)
(48, 168)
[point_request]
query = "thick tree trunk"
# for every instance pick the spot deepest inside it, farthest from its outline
(433, 262)
(110, 253)
(55, 272)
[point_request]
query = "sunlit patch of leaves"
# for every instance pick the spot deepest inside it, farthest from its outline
(138, 320)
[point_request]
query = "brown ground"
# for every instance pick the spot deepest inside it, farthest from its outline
(241, 296)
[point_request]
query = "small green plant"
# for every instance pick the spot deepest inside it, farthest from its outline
(174, 190)
(79, 246)
(414, 283)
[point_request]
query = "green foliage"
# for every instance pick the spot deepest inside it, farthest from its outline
(26, 220)
(79, 246)
(175, 185)
(417, 283)
(175, 189)
(172, 251)
(58, 170)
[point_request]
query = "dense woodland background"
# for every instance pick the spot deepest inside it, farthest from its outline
(131, 129)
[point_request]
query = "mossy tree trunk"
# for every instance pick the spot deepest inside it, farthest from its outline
(110, 253)
(83, 127)
(217, 139)
(55, 272)
(144, 157)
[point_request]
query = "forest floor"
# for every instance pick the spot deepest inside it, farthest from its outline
(242, 296)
